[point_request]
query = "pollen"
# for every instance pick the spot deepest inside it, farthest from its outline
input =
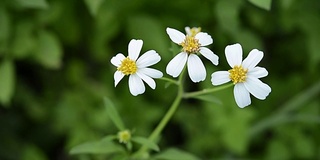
(128, 66)
(238, 74)
(124, 136)
(190, 44)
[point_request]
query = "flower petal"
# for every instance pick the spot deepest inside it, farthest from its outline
(175, 35)
(117, 77)
(147, 59)
(116, 60)
(257, 88)
(153, 73)
(136, 85)
(209, 55)
(258, 72)
(196, 69)
(176, 65)
(241, 95)
(188, 30)
(204, 38)
(147, 79)
(234, 54)
(220, 77)
(253, 59)
(134, 49)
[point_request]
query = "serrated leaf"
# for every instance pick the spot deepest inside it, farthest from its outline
(49, 52)
(174, 154)
(264, 4)
(35, 4)
(93, 6)
(97, 147)
(7, 81)
(113, 114)
(146, 142)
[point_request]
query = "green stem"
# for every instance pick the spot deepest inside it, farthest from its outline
(169, 80)
(157, 131)
(206, 91)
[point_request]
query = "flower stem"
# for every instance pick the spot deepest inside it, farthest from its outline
(157, 131)
(169, 80)
(206, 91)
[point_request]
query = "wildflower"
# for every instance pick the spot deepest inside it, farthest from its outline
(124, 136)
(192, 43)
(136, 68)
(244, 75)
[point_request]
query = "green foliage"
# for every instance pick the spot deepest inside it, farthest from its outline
(55, 68)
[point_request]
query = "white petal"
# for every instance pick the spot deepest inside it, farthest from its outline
(153, 73)
(258, 72)
(196, 69)
(176, 65)
(134, 49)
(209, 55)
(116, 60)
(147, 59)
(241, 95)
(257, 88)
(188, 30)
(220, 77)
(234, 54)
(253, 59)
(136, 85)
(204, 38)
(175, 35)
(147, 79)
(117, 77)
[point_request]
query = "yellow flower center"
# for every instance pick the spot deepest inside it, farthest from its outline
(128, 66)
(194, 31)
(124, 136)
(190, 44)
(238, 74)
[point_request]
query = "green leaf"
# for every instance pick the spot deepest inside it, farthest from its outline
(174, 154)
(209, 98)
(93, 6)
(264, 4)
(146, 142)
(35, 4)
(97, 147)
(113, 114)
(49, 52)
(7, 81)
(4, 24)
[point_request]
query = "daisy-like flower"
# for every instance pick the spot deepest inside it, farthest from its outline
(136, 68)
(192, 43)
(244, 75)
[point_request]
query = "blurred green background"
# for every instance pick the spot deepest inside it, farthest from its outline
(55, 70)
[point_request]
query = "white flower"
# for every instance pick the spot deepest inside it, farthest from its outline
(136, 67)
(244, 74)
(192, 43)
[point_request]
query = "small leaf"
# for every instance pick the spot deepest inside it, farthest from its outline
(49, 52)
(264, 4)
(209, 98)
(93, 6)
(113, 114)
(146, 142)
(7, 81)
(96, 147)
(174, 154)
(36, 4)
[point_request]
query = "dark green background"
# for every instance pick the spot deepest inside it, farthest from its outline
(55, 70)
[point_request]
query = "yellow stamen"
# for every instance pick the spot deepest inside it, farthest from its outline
(190, 44)
(127, 66)
(238, 74)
